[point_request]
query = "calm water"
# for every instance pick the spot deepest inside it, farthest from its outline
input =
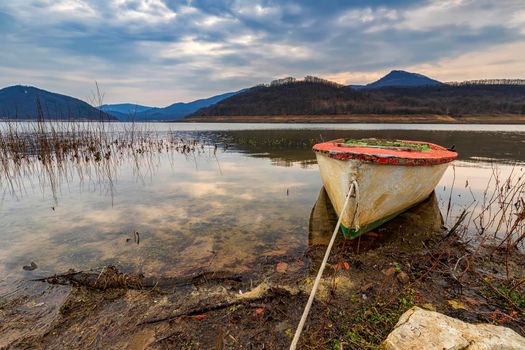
(252, 197)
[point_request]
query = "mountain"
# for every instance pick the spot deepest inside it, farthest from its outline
(175, 111)
(123, 111)
(124, 108)
(316, 98)
(27, 102)
(400, 78)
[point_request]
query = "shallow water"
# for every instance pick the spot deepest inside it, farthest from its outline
(211, 210)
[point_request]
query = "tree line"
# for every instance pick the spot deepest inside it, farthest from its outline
(314, 98)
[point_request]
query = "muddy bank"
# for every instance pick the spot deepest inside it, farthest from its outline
(369, 283)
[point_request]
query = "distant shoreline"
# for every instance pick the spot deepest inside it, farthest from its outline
(362, 118)
(503, 119)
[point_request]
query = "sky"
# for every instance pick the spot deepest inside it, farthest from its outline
(157, 52)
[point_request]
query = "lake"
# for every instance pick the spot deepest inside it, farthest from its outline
(248, 191)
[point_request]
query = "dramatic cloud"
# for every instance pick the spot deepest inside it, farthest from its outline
(157, 52)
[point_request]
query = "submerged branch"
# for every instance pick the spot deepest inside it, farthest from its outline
(111, 277)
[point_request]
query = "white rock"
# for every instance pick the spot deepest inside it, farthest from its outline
(422, 329)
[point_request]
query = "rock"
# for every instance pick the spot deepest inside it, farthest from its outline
(403, 277)
(429, 330)
(30, 267)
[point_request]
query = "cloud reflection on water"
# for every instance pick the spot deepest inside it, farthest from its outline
(193, 212)
(185, 215)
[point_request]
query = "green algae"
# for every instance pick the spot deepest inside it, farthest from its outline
(388, 144)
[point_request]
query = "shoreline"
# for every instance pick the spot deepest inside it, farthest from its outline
(360, 119)
(503, 119)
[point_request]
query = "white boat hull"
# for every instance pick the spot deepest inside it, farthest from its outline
(384, 190)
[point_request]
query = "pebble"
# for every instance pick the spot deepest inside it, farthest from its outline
(403, 277)
(30, 267)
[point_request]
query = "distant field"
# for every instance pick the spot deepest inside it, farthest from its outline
(366, 118)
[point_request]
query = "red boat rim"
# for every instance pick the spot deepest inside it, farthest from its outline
(387, 155)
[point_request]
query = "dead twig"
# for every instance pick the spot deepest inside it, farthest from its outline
(461, 218)
(201, 310)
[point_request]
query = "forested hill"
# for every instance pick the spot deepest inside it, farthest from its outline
(318, 98)
(294, 98)
(27, 102)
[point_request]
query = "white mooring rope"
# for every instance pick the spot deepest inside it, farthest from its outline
(298, 331)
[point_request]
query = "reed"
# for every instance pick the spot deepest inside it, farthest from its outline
(492, 226)
(496, 219)
(55, 151)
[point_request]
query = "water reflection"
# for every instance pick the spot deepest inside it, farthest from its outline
(485, 191)
(221, 208)
(288, 146)
(323, 219)
(190, 214)
(421, 220)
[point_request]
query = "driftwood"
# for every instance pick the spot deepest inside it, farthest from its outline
(193, 279)
(107, 277)
(198, 309)
(111, 277)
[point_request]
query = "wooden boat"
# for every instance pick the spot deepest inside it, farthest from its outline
(391, 175)
(416, 222)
